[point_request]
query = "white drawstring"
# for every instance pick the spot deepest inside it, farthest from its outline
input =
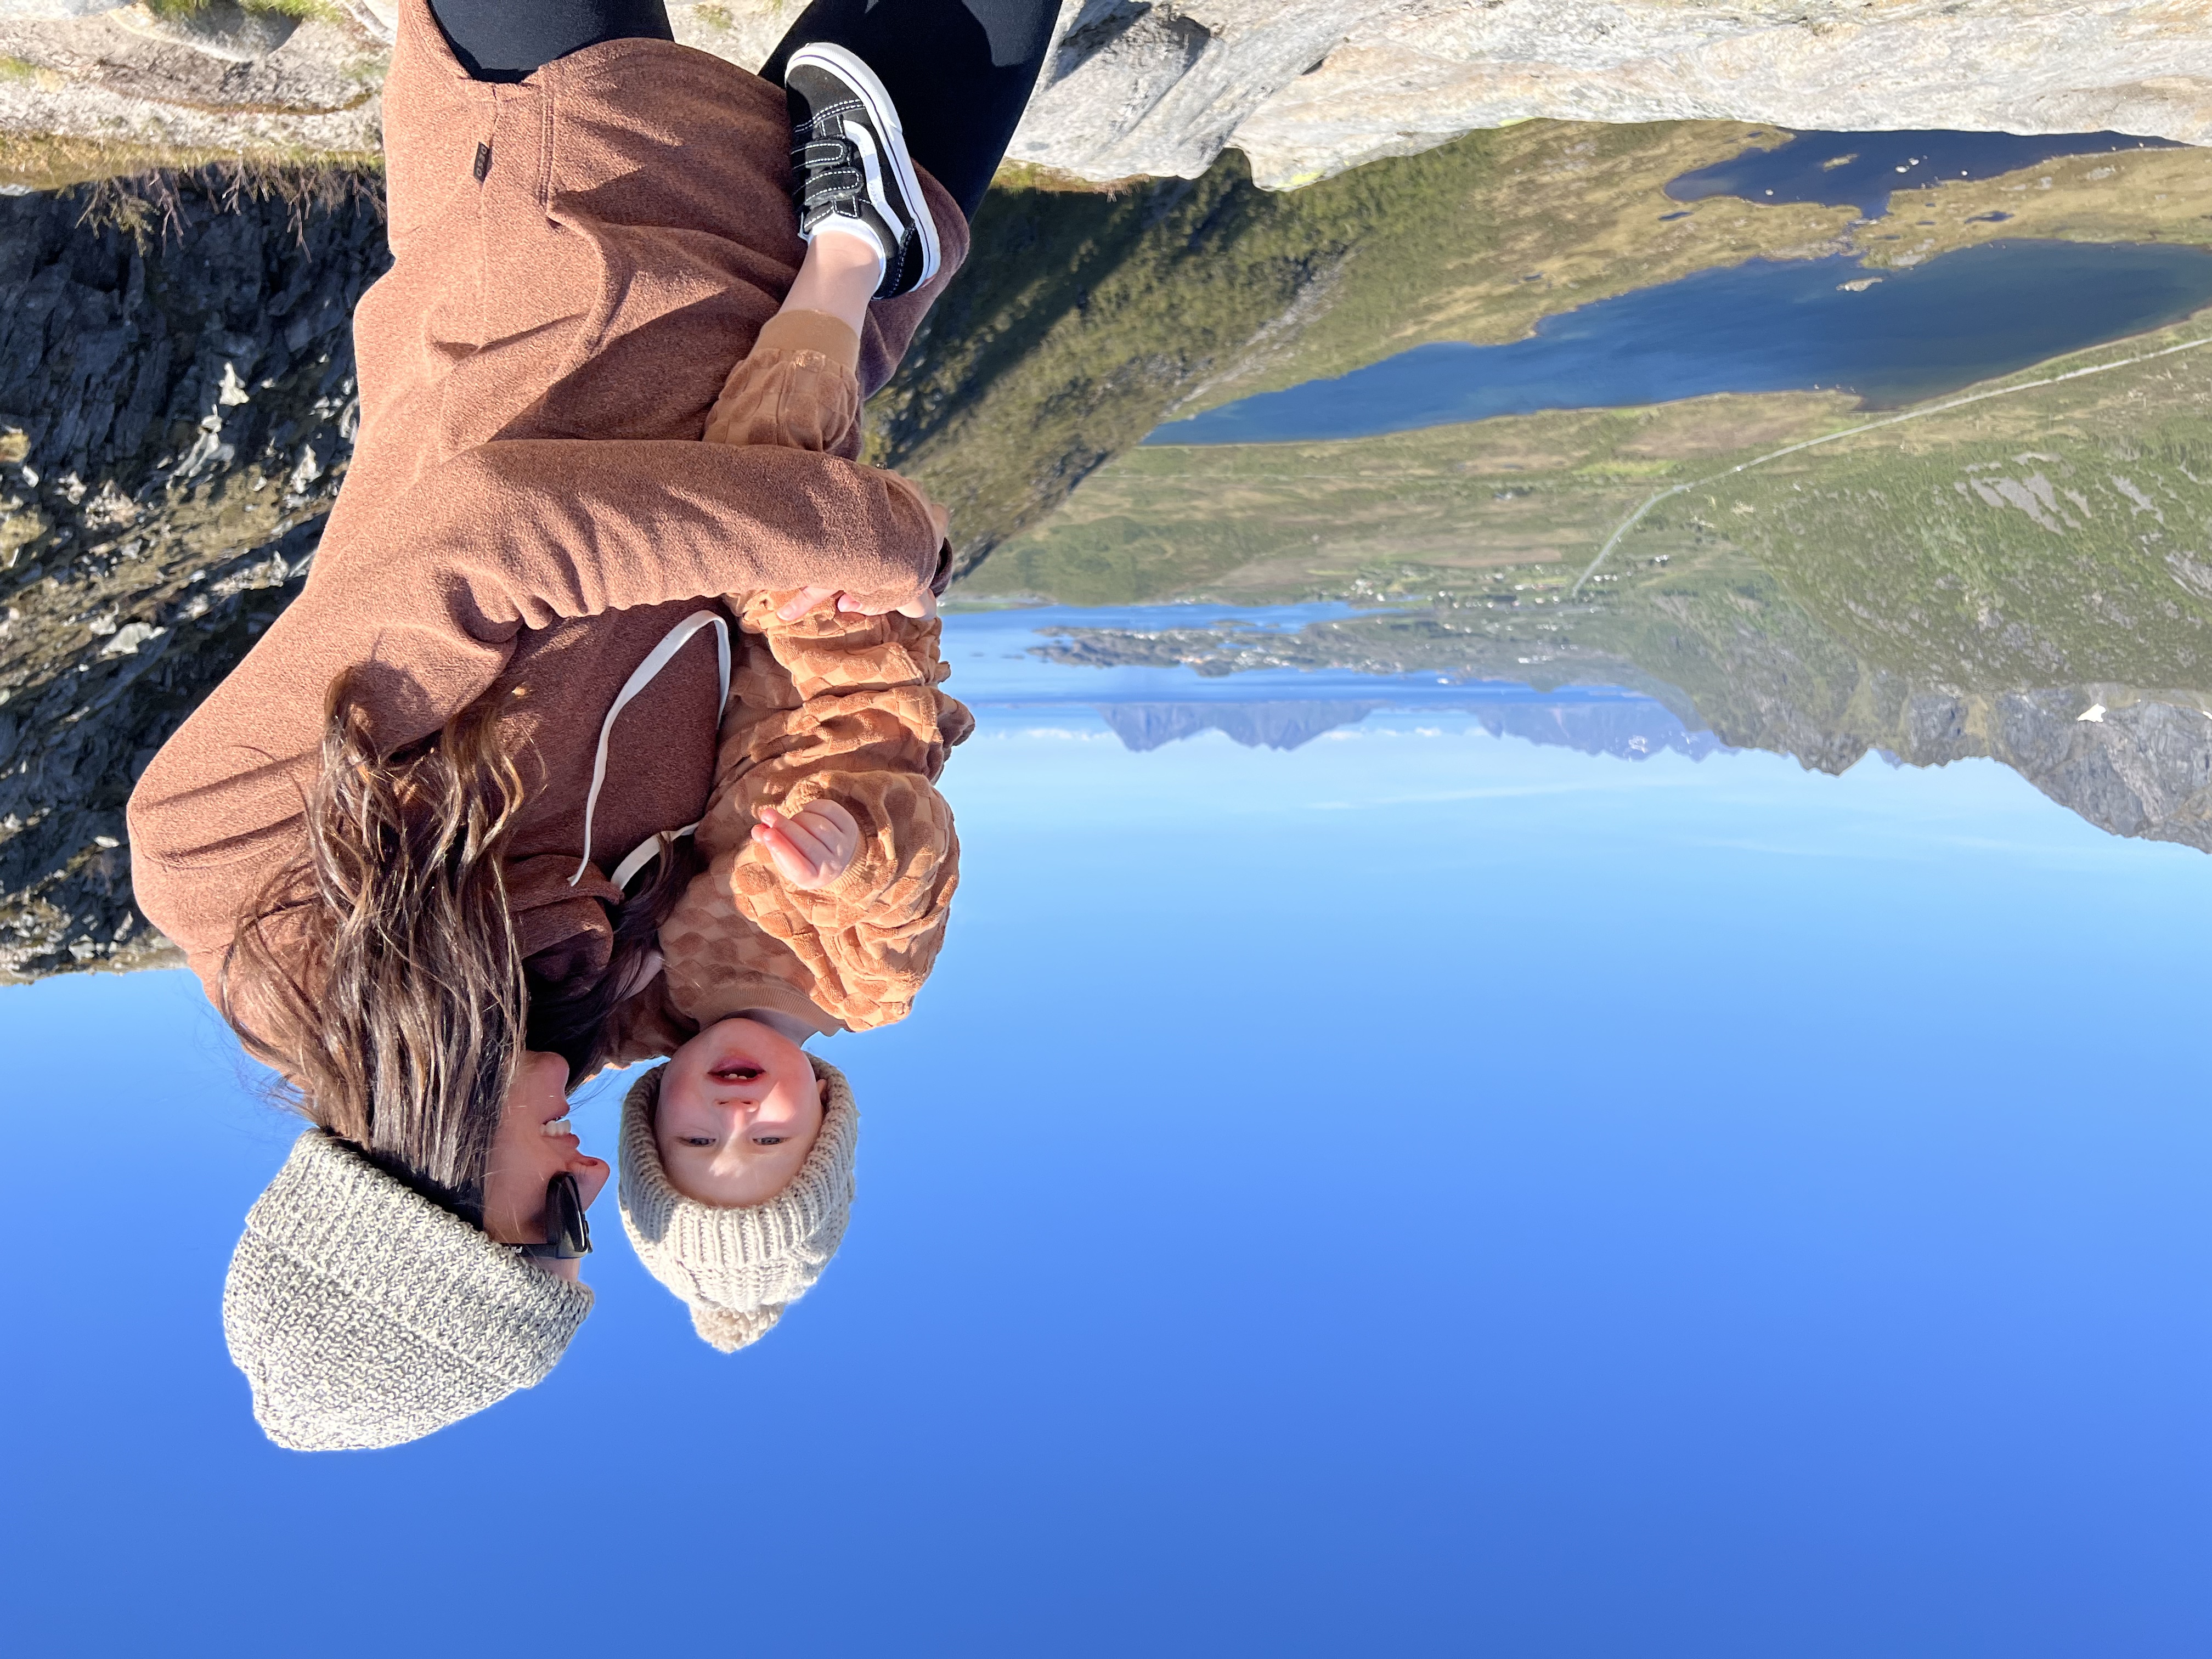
(658, 658)
(645, 850)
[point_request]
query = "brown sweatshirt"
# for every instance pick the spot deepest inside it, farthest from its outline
(839, 706)
(579, 261)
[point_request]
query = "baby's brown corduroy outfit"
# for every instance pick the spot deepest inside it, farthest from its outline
(834, 705)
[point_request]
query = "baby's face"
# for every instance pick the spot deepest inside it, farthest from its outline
(740, 1106)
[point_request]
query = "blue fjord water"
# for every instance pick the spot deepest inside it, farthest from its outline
(995, 658)
(1767, 326)
(1860, 169)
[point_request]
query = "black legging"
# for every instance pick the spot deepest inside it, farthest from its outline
(959, 70)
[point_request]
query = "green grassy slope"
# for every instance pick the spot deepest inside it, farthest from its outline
(2057, 535)
(1084, 319)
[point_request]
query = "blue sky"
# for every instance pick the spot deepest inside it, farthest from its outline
(1417, 1193)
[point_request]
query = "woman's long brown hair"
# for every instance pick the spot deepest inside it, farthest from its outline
(380, 974)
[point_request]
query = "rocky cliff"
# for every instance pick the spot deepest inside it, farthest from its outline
(1305, 88)
(174, 419)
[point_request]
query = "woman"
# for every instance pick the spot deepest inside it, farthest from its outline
(367, 839)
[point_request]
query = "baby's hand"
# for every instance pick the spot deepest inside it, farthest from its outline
(812, 848)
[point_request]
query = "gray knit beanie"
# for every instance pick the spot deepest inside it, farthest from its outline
(737, 1269)
(365, 1316)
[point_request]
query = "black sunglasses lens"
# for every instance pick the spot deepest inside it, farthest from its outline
(565, 1226)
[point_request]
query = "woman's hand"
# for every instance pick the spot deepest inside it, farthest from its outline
(813, 847)
(808, 600)
(923, 602)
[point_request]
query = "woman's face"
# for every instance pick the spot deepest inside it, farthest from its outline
(533, 1143)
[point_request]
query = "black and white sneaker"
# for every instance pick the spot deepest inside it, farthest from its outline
(849, 165)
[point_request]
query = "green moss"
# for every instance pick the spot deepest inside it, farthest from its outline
(144, 174)
(324, 11)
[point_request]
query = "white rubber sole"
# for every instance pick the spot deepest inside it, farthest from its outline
(871, 171)
(847, 65)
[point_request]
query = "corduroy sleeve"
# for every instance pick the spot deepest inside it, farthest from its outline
(864, 725)
(796, 388)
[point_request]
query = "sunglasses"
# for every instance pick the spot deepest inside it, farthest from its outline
(567, 1235)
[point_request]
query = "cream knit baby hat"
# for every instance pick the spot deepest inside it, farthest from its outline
(737, 1269)
(365, 1316)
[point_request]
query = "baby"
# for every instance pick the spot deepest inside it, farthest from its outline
(830, 863)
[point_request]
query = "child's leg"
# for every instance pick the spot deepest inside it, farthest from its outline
(836, 279)
(506, 39)
(823, 312)
(959, 70)
(795, 389)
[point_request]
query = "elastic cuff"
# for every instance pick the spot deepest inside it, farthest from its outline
(811, 331)
(854, 883)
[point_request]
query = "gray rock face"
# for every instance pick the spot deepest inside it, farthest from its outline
(174, 420)
(231, 80)
(2142, 768)
(1304, 87)
(52, 10)
(221, 30)
(1401, 75)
